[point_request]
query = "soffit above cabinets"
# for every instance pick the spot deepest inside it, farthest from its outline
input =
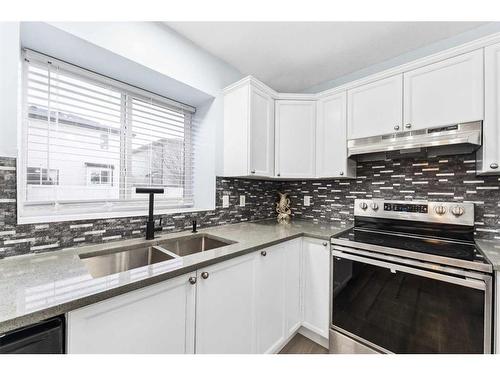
(293, 56)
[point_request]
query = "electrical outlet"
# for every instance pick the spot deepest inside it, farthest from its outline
(242, 201)
(307, 200)
(225, 201)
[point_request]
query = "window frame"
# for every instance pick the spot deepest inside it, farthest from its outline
(128, 92)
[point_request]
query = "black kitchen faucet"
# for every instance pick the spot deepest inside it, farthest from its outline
(150, 226)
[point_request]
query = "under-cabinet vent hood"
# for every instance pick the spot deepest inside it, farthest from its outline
(447, 140)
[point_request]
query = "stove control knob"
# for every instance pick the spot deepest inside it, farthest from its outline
(363, 205)
(457, 210)
(374, 206)
(440, 210)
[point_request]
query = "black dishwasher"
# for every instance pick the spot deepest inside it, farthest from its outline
(46, 337)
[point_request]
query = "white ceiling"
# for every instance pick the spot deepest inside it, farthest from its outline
(292, 56)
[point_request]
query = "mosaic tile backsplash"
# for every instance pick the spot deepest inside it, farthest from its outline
(438, 179)
(34, 238)
(441, 179)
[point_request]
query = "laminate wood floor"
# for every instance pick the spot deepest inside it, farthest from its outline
(302, 345)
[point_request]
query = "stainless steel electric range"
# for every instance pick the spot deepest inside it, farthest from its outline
(409, 279)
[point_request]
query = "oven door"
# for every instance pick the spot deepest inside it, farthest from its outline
(394, 308)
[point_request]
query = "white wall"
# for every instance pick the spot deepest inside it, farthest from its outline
(152, 45)
(9, 87)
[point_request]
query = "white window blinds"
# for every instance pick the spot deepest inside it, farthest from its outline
(88, 141)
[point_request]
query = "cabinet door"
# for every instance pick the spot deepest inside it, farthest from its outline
(225, 307)
(316, 285)
(261, 133)
(375, 108)
(155, 319)
(236, 134)
(331, 138)
(293, 265)
(270, 296)
(295, 138)
(489, 154)
(444, 93)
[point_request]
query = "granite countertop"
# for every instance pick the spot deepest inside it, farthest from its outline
(491, 250)
(36, 287)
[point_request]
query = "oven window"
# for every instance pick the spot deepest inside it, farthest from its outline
(404, 313)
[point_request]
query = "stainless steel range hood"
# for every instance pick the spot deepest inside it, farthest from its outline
(462, 138)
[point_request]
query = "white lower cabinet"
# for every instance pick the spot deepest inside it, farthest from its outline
(154, 319)
(225, 307)
(316, 285)
(278, 295)
(270, 292)
(293, 264)
(250, 304)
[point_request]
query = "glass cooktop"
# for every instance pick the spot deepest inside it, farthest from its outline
(429, 245)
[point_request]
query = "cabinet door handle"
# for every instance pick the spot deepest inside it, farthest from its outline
(493, 165)
(408, 126)
(192, 280)
(341, 173)
(205, 275)
(252, 171)
(325, 244)
(263, 253)
(396, 127)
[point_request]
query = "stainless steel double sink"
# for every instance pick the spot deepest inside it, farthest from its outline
(126, 258)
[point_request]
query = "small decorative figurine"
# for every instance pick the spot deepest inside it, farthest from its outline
(283, 208)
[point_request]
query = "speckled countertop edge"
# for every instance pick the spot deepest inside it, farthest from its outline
(491, 250)
(26, 278)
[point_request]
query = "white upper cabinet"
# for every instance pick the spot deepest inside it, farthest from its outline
(331, 138)
(375, 108)
(444, 93)
(261, 159)
(295, 138)
(248, 131)
(489, 154)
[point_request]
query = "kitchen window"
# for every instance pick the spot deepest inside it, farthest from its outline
(88, 141)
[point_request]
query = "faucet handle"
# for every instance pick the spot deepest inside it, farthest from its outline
(158, 224)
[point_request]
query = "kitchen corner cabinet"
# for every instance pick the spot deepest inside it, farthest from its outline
(295, 138)
(270, 293)
(293, 302)
(225, 307)
(278, 295)
(331, 138)
(316, 285)
(248, 131)
(375, 108)
(154, 319)
(489, 154)
(444, 93)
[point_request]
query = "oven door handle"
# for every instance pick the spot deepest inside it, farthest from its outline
(470, 283)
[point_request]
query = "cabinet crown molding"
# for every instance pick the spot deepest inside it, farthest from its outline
(251, 80)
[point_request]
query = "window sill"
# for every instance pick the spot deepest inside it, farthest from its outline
(105, 215)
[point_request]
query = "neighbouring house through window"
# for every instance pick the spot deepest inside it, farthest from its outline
(90, 140)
